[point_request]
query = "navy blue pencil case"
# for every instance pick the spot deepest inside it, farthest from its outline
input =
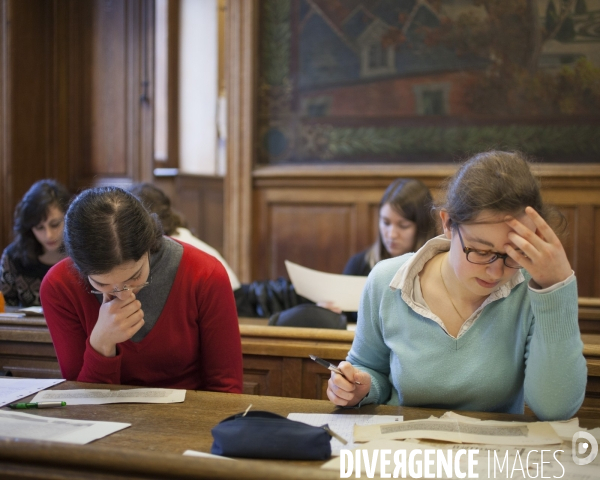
(260, 434)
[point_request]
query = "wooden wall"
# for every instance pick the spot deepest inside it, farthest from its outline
(76, 96)
(76, 105)
(320, 216)
(199, 198)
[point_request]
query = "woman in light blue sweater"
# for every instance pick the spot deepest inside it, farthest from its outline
(483, 317)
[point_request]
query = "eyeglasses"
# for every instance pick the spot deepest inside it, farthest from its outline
(133, 288)
(483, 257)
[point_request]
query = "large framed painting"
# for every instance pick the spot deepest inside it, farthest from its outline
(422, 81)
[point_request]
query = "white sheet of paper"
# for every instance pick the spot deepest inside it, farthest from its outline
(196, 453)
(564, 429)
(12, 315)
(12, 389)
(100, 397)
(450, 430)
(343, 425)
(36, 427)
(343, 291)
(37, 311)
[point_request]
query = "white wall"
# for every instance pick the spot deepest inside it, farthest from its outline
(198, 88)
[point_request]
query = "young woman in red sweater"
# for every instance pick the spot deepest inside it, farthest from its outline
(131, 306)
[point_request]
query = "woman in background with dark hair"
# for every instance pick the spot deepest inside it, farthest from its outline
(405, 224)
(38, 228)
(131, 306)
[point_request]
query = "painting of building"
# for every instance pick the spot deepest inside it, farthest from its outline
(428, 80)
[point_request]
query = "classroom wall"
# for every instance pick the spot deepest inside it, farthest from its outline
(76, 96)
(319, 215)
(76, 105)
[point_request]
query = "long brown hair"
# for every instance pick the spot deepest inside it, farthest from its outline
(412, 199)
(32, 210)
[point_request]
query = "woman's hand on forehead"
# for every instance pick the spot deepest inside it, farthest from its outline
(541, 252)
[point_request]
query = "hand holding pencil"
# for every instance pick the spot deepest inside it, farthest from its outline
(349, 386)
(332, 367)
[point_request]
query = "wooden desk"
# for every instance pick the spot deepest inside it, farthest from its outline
(152, 447)
(275, 358)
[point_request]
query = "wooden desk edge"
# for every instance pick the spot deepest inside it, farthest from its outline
(47, 457)
(343, 336)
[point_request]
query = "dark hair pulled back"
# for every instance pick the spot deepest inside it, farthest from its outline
(106, 227)
(156, 201)
(31, 211)
(497, 182)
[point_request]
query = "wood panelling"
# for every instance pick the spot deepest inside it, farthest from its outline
(114, 60)
(108, 112)
(76, 101)
(320, 216)
(27, 82)
(290, 239)
(199, 198)
(275, 358)
(241, 44)
(262, 375)
(6, 198)
(594, 258)
(250, 187)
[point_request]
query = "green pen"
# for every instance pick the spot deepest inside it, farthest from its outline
(37, 405)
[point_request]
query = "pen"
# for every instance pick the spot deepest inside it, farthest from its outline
(332, 367)
(37, 405)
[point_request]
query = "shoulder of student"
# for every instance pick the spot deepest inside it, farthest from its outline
(202, 260)
(389, 267)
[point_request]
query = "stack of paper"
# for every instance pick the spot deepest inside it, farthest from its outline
(36, 427)
(12, 389)
(490, 449)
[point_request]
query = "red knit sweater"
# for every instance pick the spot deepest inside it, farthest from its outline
(195, 343)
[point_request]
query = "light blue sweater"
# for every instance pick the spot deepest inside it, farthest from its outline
(525, 347)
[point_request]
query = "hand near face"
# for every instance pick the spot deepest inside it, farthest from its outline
(118, 320)
(542, 253)
(344, 393)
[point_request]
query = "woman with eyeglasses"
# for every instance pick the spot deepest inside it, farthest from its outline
(38, 228)
(132, 306)
(483, 317)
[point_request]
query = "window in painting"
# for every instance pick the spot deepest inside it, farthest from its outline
(432, 99)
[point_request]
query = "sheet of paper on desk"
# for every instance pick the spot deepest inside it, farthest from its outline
(11, 315)
(12, 389)
(456, 431)
(37, 427)
(343, 291)
(196, 453)
(343, 425)
(100, 397)
(37, 311)
(565, 429)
